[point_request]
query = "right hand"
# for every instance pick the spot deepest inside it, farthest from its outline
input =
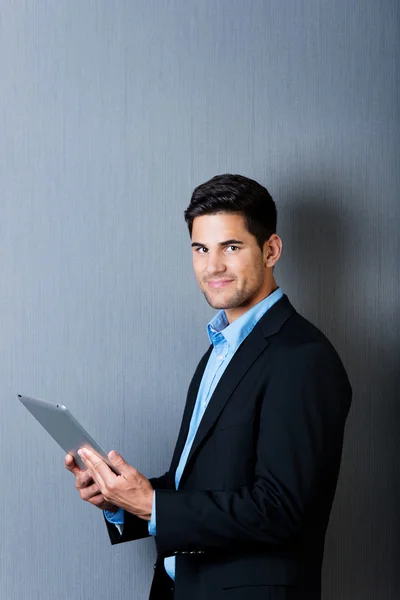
(87, 488)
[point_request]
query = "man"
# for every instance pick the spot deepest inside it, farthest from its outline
(243, 510)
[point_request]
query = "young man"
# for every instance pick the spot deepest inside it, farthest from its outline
(243, 510)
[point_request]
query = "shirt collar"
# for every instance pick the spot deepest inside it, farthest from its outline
(236, 332)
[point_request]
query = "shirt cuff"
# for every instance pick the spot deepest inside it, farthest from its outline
(116, 518)
(152, 522)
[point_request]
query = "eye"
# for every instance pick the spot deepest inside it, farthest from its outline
(234, 248)
(199, 250)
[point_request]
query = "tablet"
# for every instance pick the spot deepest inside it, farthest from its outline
(64, 429)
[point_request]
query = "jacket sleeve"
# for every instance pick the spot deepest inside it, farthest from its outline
(135, 528)
(298, 451)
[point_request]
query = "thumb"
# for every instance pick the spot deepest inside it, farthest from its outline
(117, 460)
(70, 464)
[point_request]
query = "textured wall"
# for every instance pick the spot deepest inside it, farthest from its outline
(110, 113)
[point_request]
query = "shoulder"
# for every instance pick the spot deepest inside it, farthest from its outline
(300, 343)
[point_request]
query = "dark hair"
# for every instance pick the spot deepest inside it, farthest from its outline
(235, 194)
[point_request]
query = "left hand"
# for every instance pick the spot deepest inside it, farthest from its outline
(130, 490)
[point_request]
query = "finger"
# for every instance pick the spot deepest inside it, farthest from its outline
(89, 492)
(96, 467)
(87, 463)
(70, 464)
(100, 471)
(84, 479)
(117, 461)
(97, 500)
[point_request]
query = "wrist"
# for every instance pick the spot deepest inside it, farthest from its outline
(148, 508)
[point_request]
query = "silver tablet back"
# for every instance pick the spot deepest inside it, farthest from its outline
(63, 428)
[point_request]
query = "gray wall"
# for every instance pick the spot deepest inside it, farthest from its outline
(110, 114)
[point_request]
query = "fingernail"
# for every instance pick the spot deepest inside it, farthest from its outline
(113, 454)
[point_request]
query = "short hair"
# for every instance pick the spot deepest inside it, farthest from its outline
(235, 194)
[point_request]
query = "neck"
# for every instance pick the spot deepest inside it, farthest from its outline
(234, 313)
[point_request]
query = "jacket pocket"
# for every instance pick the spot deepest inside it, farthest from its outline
(250, 571)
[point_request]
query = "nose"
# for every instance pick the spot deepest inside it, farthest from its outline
(215, 263)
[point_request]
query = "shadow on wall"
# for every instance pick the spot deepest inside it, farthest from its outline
(330, 272)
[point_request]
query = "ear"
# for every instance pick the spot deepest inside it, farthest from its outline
(272, 251)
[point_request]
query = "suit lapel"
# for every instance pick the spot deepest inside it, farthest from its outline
(244, 357)
(188, 411)
(240, 363)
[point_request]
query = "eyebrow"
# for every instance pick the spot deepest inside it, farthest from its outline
(225, 243)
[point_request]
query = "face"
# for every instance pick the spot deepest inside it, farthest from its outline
(231, 269)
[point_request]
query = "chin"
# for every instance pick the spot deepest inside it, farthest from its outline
(220, 303)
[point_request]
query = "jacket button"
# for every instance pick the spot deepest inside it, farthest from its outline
(154, 566)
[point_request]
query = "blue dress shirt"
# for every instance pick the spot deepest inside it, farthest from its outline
(226, 339)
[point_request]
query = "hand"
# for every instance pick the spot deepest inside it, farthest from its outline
(130, 490)
(88, 489)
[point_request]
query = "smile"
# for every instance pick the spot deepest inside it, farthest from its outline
(219, 283)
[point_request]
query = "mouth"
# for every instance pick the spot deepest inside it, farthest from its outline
(219, 283)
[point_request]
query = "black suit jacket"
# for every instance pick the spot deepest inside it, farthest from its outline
(250, 515)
